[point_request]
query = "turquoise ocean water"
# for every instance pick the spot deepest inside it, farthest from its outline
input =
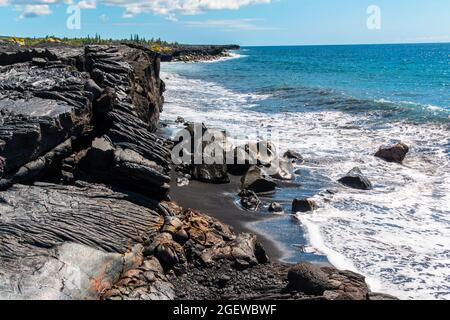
(337, 105)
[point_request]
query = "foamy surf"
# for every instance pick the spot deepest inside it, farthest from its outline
(397, 235)
(230, 56)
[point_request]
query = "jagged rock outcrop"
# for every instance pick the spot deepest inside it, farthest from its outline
(67, 115)
(40, 108)
(84, 183)
(40, 225)
(55, 101)
(197, 52)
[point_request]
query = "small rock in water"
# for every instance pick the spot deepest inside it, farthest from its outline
(396, 153)
(356, 180)
(180, 120)
(249, 200)
(303, 205)
(293, 155)
(275, 207)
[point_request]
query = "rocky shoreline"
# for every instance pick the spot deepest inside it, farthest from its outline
(85, 205)
(196, 53)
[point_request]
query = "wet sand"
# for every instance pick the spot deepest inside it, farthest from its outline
(218, 201)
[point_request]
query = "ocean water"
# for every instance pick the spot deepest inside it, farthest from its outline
(337, 105)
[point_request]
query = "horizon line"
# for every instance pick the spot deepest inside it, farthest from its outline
(247, 45)
(344, 44)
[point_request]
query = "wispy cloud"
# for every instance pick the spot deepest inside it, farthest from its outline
(31, 11)
(168, 8)
(230, 24)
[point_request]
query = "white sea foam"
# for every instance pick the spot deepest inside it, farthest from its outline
(398, 235)
(430, 107)
(231, 55)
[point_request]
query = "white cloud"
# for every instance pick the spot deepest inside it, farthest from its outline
(86, 4)
(171, 7)
(168, 8)
(230, 24)
(33, 10)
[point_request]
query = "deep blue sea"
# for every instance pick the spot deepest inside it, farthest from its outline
(337, 105)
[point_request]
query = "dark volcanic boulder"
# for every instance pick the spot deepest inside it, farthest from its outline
(293, 155)
(202, 153)
(276, 207)
(330, 283)
(257, 181)
(347, 285)
(356, 180)
(396, 153)
(303, 205)
(249, 200)
(210, 173)
(308, 278)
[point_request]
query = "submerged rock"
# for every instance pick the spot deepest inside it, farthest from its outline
(180, 120)
(249, 200)
(276, 207)
(293, 155)
(396, 153)
(303, 205)
(356, 180)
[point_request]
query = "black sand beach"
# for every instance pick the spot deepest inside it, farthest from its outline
(218, 201)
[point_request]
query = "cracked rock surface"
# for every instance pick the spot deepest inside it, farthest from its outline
(85, 211)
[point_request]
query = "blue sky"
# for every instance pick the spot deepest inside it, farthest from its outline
(245, 22)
